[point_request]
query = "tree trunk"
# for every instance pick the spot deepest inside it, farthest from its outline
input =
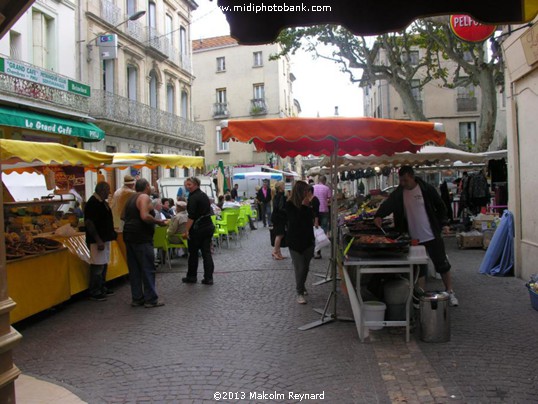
(488, 109)
(412, 107)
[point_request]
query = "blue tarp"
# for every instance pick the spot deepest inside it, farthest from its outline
(499, 258)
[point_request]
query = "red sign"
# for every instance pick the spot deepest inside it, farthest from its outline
(467, 29)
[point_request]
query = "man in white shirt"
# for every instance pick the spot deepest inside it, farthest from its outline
(419, 210)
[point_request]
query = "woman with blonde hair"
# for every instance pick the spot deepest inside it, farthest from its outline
(300, 235)
(278, 218)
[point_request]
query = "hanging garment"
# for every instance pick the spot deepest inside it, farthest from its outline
(499, 258)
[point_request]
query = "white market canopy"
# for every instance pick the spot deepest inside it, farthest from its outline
(427, 155)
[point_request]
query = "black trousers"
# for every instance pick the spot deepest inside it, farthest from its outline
(200, 240)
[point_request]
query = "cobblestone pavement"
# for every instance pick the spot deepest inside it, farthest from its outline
(241, 335)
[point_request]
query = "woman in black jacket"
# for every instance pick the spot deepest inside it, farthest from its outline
(300, 235)
(278, 218)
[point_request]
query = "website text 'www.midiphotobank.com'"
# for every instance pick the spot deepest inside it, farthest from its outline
(272, 7)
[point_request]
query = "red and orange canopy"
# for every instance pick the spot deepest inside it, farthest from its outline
(290, 137)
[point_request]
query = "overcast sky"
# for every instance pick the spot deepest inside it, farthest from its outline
(319, 84)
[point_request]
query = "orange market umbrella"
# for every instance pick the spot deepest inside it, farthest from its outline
(290, 137)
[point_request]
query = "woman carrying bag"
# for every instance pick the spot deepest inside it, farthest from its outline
(278, 218)
(300, 235)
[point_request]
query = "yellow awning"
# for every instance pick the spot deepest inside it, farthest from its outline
(138, 160)
(17, 155)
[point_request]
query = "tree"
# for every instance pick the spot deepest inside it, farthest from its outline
(389, 56)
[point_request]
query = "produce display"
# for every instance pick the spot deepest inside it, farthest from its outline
(15, 248)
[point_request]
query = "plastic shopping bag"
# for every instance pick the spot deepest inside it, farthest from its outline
(321, 239)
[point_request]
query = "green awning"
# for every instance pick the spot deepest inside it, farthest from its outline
(19, 118)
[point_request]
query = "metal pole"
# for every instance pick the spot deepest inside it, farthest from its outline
(334, 220)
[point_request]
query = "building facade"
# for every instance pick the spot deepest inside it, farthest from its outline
(457, 108)
(239, 82)
(519, 45)
(136, 56)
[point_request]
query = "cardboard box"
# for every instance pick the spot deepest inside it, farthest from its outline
(472, 239)
(483, 222)
(488, 235)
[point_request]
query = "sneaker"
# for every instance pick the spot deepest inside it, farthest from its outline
(188, 280)
(452, 299)
(157, 303)
(305, 293)
(137, 303)
(317, 256)
(98, 298)
(207, 281)
(301, 299)
(108, 291)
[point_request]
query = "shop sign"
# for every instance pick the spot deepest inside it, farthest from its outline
(469, 30)
(529, 41)
(32, 73)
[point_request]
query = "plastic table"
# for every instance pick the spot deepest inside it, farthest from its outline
(389, 265)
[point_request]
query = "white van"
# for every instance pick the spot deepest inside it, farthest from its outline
(168, 187)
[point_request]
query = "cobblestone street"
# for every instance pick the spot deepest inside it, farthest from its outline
(241, 335)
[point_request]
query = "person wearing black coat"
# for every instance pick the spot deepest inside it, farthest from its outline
(278, 218)
(264, 198)
(300, 235)
(419, 210)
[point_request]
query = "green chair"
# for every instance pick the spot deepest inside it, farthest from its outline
(160, 243)
(216, 234)
(182, 244)
(242, 220)
(228, 225)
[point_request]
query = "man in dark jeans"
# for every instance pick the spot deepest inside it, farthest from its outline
(99, 234)
(264, 198)
(199, 232)
(138, 230)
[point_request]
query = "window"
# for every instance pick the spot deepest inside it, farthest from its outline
(221, 96)
(466, 92)
(168, 32)
(182, 40)
(14, 45)
(221, 146)
(153, 89)
(184, 104)
(412, 58)
(221, 64)
(132, 83)
(258, 58)
(152, 15)
(131, 7)
(170, 98)
(108, 75)
(259, 91)
(43, 40)
(468, 133)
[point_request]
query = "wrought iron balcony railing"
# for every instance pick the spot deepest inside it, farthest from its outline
(31, 90)
(220, 110)
(467, 104)
(112, 107)
(258, 106)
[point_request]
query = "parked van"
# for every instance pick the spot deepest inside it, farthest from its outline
(168, 187)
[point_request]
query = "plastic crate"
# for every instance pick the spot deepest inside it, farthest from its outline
(534, 298)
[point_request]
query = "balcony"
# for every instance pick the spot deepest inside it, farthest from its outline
(258, 106)
(467, 104)
(220, 110)
(112, 15)
(123, 111)
(24, 89)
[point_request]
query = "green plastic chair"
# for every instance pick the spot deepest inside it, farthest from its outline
(216, 233)
(228, 225)
(170, 245)
(160, 243)
(242, 220)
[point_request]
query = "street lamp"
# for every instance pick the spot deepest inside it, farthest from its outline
(132, 17)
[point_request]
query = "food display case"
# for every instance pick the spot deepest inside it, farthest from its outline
(47, 256)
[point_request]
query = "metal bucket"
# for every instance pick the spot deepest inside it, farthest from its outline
(434, 317)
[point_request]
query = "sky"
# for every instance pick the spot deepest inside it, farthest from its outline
(316, 96)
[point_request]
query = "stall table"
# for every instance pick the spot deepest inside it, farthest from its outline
(385, 265)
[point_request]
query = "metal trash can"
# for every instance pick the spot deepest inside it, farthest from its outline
(434, 317)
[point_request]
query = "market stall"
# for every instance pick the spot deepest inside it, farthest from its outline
(333, 137)
(42, 269)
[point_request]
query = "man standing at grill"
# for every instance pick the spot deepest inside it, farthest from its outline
(419, 211)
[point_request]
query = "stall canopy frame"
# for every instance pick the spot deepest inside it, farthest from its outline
(289, 137)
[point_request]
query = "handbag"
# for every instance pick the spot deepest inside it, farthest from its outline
(321, 239)
(272, 235)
